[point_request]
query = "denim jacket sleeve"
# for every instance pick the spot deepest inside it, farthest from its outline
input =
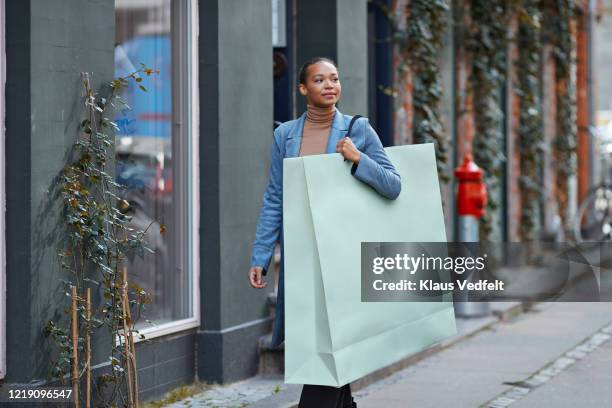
(375, 168)
(270, 215)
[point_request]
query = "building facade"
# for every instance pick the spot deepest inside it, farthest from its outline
(193, 152)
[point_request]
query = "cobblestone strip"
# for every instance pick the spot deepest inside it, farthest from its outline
(236, 395)
(568, 359)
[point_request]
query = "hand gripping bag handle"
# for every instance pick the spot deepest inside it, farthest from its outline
(353, 120)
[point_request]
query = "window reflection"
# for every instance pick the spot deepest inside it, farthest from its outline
(144, 152)
(602, 57)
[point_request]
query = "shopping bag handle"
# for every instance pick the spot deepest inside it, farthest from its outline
(353, 120)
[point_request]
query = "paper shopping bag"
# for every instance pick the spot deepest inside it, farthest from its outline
(331, 337)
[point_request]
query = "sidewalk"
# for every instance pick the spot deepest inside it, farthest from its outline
(553, 355)
(532, 361)
(272, 392)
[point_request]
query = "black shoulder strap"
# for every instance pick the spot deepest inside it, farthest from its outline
(353, 120)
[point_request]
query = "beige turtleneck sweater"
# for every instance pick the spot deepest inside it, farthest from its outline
(317, 127)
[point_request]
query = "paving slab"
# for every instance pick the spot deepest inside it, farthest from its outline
(587, 384)
(476, 370)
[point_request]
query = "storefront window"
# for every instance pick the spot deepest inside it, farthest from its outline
(602, 88)
(154, 151)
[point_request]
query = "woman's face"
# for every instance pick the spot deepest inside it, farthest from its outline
(322, 87)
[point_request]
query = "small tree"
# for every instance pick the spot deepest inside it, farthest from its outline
(98, 240)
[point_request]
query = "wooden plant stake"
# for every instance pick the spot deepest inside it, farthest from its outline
(126, 342)
(75, 345)
(131, 340)
(88, 352)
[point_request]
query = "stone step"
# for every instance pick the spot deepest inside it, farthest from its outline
(271, 359)
(271, 304)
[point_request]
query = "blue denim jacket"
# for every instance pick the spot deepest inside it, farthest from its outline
(374, 168)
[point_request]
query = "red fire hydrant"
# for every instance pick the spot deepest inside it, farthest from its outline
(471, 190)
(471, 203)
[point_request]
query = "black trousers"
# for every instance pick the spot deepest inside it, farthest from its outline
(321, 396)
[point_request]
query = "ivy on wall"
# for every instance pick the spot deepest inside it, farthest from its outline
(419, 33)
(487, 44)
(420, 45)
(561, 13)
(530, 131)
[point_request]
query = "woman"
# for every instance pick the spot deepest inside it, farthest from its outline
(321, 129)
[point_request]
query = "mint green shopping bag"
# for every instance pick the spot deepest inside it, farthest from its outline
(331, 337)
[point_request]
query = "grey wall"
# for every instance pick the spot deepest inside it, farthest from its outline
(18, 175)
(236, 86)
(336, 29)
(352, 58)
(48, 45)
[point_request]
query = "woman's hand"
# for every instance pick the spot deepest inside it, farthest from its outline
(255, 277)
(348, 150)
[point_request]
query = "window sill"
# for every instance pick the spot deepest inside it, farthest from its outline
(164, 329)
